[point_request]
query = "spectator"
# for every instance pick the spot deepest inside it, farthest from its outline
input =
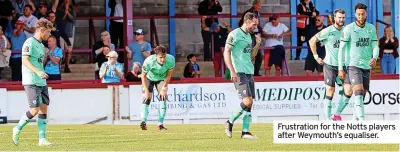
(6, 10)
(5, 52)
(220, 35)
(306, 7)
(17, 38)
(30, 21)
(44, 9)
(101, 58)
(134, 74)
(192, 69)
(57, 32)
(138, 50)
(208, 8)
(52, 62)
(388, 46)
(311, 64)
(18, 6)
(274, 33)
(111, 71)
(66, 21)
(258, 31)
(117, 35)
(98, 47)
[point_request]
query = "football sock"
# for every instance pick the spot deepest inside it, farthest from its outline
(343, 102)
(144, 112)
(162, 110)
(237, 112)
(42, 125)
(328, 107)
(26, 117)
(359, 104)
(246, 120)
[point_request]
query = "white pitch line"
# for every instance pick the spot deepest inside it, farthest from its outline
(95, 131)
(115, 135)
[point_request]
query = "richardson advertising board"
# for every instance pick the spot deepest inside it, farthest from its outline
(217, 100)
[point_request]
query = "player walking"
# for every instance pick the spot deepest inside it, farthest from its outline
(359, 42)
(34, 81)
(330, 36)
(157, 72)
(237, 57)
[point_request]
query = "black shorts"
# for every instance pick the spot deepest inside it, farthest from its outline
(152, 84)
(359, 76)
(37, 95)
(245, 85)
(313, 65)
(54, 77)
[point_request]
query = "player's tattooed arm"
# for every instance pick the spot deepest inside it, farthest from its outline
(344, 40)
(341, 54)
(375, 47)
(256, 48)
(228, 51)
(313, 45)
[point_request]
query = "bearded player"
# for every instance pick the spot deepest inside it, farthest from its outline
(330, 36)
(237, 56)
(157, 71)
(359, 45)
(34, 81)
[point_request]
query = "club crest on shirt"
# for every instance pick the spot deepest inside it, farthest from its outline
(26, 49)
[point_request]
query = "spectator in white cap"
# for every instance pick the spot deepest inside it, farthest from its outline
(139, 49)
(111, 71)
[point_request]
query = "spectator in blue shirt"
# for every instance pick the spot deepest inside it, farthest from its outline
(54, 56)
(138, 50)
(111, 71)
(192, 69)
(17, 39)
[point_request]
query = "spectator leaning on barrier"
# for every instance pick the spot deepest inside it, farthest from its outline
(208, 8)
(111, 71)
(66, 16)
(388, 46)
(138, 50)
(192, 69)
(311, 64)
(17, 39)
(306, 7)
(258, 31)
(52, 62)
(30, 21)
(5, 52)
(274, 33)
(135, 74)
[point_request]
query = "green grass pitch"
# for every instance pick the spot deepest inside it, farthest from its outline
(176, 138)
